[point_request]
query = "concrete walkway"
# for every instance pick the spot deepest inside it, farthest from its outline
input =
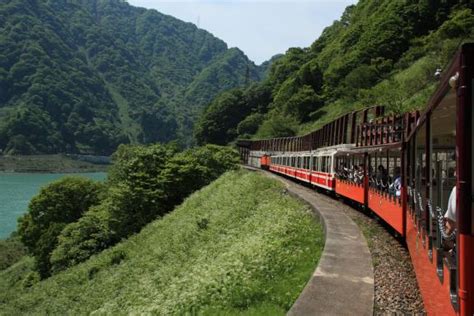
(343, 283)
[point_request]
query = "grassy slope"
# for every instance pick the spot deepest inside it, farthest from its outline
(240, 245)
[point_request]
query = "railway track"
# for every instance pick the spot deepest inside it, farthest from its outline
(393, 289)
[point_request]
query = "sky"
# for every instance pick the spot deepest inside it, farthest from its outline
(260, 28)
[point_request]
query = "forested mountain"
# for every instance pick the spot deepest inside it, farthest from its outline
(86, 75)
(380, 52)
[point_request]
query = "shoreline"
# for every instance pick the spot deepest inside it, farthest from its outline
(41, 164)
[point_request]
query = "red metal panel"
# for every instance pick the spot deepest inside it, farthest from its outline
(323, 179)
(435, 294)
(350, 190)
(303, 174)
(390, 211)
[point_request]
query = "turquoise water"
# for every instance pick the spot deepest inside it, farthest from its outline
(16, 191)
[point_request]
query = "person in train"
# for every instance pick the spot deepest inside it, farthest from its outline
(382, 177)
(450, 215)
(396, 186)
(359, 173)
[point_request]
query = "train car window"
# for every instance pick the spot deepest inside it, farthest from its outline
(382, 170)
(420, 174)
(323, 164)
(411, 173)
(372, 169)
(395, 174)
(339, 166)
(443, 158)
(443, 144)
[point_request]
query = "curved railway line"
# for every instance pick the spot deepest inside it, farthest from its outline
(383, 259)
(414, 171)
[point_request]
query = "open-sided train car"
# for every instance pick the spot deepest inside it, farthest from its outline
(407, 169)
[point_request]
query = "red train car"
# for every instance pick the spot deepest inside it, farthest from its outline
(409, 170)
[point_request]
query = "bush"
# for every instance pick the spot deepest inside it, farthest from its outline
(11, 250)
(278, 126)
(78, 241)
(146, 182)
(191, 170)
(59, 203)
(250, 124)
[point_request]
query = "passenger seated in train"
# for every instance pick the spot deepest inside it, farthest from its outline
(395, 187)
(359, 174)
(381, 178)
(450, 215)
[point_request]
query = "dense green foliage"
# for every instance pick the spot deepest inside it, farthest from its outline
(62, 202)
(378, 53)
(145, 183)
(74, 218)
(240, 245)
(85, 76)
(219, 123)
(11, 251)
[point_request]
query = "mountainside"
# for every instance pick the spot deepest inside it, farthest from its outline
(380, 52)
(84, 76)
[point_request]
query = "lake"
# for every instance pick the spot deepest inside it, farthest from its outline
(17, 189)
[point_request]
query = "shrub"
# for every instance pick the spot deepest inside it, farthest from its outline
(61, 202)
(146, 182)
(79, 240)
(30, 279)
(11, 250)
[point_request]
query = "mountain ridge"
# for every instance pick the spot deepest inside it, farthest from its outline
(380, 52)
(89, 75)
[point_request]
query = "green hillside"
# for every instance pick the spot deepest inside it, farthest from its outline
(380, 52)
(239, 246)
(85, 76)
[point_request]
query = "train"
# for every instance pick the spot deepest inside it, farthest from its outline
(410, 169)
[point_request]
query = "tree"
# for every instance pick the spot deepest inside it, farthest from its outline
(146, 182)
(59, 203)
